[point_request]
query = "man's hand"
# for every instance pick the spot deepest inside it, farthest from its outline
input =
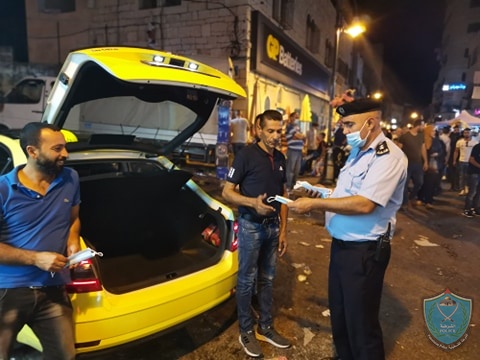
(301, 205)
(73, 247)
(282, 244)
(50, 261)
(261, 207)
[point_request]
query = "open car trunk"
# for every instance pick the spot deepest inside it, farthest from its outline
(149, 226)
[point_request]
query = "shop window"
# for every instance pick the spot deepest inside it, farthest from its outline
(151, 4)
(343, 69)
(56, 6)
(329, 54)
(474, 27)
(283, 11)
(313, 36)
(474, 3)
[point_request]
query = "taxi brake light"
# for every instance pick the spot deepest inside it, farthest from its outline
(83, 278)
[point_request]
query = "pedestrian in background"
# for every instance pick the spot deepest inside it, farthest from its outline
(451, 168)
(445, 138)
(361, 218)
(259, 171)
(39, 228)
(436, 160)
(319, 165)
(413, 145)
(339, 155)
(463, 149)
(312, 142)
(472, 201)
(295, 143)
(238, 131)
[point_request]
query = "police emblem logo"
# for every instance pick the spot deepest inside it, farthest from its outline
(447, 319)
(341, 110)
(382, 148)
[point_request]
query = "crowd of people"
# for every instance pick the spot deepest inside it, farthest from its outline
(377, 172)
(408, 164)
(261, 171)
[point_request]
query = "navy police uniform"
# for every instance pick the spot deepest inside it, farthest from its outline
(357, 263)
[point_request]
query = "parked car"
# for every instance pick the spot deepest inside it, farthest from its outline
(169, 249)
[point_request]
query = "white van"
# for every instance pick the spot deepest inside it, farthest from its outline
(25, 102)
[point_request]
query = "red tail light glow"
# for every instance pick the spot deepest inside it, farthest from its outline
(234, 245)
(83, 278)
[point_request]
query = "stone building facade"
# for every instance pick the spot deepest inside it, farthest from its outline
(458, 85)
(280, 50)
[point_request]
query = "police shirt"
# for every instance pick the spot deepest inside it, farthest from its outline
(378, 174)
(257, 172)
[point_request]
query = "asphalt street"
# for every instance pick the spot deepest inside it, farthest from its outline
(432, 250)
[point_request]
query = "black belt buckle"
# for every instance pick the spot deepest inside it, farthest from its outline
(270, 220)
(260, 220)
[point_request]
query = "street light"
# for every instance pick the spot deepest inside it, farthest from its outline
(356, 28)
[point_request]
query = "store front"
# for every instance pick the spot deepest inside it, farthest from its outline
(282, 74)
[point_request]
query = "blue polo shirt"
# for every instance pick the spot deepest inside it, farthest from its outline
(378, 174)
(31, 221)
(257, 172)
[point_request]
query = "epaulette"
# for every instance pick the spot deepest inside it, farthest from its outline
(382, 149)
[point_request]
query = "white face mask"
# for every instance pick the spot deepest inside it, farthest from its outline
(355, 140)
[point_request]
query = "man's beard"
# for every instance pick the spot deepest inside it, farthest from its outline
(50, 167)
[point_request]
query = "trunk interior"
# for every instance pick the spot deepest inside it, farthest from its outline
(150, 228)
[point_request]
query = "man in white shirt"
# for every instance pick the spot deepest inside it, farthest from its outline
(463, 149)
(238, 131)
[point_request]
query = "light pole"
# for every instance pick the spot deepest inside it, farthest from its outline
(333, 77)
(355, 29)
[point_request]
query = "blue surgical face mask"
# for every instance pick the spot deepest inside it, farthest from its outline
(355, 140)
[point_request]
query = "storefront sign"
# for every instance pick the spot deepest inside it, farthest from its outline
(280, 58)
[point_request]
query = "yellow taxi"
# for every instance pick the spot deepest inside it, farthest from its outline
(169, 249)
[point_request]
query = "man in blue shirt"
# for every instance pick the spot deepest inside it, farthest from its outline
(361, 216)
(259, 170)
(39, 228)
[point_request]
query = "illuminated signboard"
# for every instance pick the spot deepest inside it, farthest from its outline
(454, 87)
(278, 57)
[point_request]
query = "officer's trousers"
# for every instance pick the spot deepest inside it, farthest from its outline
(354, 289)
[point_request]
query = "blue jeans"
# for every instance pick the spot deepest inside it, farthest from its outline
(473, 196)
(414, 171)
(294, 163)
(48, 312)
(257, 256)
(462, 173)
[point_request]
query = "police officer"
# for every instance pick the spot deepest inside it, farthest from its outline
(360, 216)
(259, 170)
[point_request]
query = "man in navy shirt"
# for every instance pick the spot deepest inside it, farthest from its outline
(360, 216)
(39, 228)
(259, 171)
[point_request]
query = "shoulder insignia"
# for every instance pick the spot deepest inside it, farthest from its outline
(382, 149)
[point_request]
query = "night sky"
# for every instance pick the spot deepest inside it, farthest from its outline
(410, 31)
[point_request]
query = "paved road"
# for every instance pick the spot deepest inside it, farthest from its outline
(432, 250)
